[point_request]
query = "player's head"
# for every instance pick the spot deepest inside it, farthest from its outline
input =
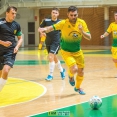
(54, 13)
(115, 16)
(11, 13)
(72, 14)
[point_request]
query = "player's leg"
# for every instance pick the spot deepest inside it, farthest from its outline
(115, 61)
(71, 64)
(114, 55)
(0, 73)
(80, 73)
(61, 69)
(41, 42)
(58, 64)
(54, 48)
(4, 76)
(6, 64)
(51, 64)
(2, 80)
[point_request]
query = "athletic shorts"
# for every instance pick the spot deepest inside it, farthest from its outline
(7, 58)
(72, 58)
(114, 52)
(53, 48)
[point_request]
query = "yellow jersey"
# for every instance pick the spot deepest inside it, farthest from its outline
(113, 28)
(70, 34)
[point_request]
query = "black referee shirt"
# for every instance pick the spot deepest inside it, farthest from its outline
(51, 37)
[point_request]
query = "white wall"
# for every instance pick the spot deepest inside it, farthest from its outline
(26, 15)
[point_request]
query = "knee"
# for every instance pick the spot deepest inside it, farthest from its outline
(5, 71)
(50, 57)
(80, 72)
(74, 69)
(115, 60)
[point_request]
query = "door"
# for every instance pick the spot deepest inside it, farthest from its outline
(31, 33)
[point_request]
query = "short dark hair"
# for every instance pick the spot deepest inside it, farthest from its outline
(11, 7)
(57, 9)
(115, 12)
(72, 8)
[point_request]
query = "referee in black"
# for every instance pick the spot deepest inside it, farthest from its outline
(53, 44)
(8, 45)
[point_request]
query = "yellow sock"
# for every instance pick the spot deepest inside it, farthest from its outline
(40, 46)
(70, 74)
(116, 65)
(43, 38)
(78, 81)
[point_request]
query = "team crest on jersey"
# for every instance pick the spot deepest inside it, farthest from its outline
(115, 32)
(74, 34)
(15, 31)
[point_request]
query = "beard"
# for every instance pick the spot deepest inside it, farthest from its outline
(73, 21)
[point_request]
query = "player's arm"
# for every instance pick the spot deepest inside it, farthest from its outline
(104, 35)
(20, 39)
(19, 43)
(85, 34)
(45, 30)
(108, 31)
(48, 29)
(5, 43)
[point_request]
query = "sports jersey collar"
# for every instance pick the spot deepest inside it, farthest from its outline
(54, 20)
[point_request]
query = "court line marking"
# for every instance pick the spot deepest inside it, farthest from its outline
(73, 104)
(67, 106)
(45, 90)
(77, 103)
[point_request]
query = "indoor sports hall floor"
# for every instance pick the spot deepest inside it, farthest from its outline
(27, 94)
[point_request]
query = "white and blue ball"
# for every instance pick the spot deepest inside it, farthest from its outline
(95, 102)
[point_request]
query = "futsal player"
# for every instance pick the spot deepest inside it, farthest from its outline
(8, 45)
(53, 44)
(112, 29)
(72, 31)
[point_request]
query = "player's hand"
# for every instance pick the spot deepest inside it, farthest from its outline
(7, 43)
(102, 36)
(42, 34)
(41, 30)
(80, 27)
(16, 49)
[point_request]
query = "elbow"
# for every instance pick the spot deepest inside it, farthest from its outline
(89, 37)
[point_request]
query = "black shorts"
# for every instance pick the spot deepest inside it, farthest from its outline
(7, 58)
(54, 48)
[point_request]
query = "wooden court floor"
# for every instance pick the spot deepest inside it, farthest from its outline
(27, 93)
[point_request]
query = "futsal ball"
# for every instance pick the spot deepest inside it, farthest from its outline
(95, 102)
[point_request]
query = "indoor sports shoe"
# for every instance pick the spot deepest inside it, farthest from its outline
(71, 81)
(80, 91)
(63, 74)
(49, 78)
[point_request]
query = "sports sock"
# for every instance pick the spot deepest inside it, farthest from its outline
(70, 74)
(78, 82)
(51, 67)
(2, 83)
(58, 64)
